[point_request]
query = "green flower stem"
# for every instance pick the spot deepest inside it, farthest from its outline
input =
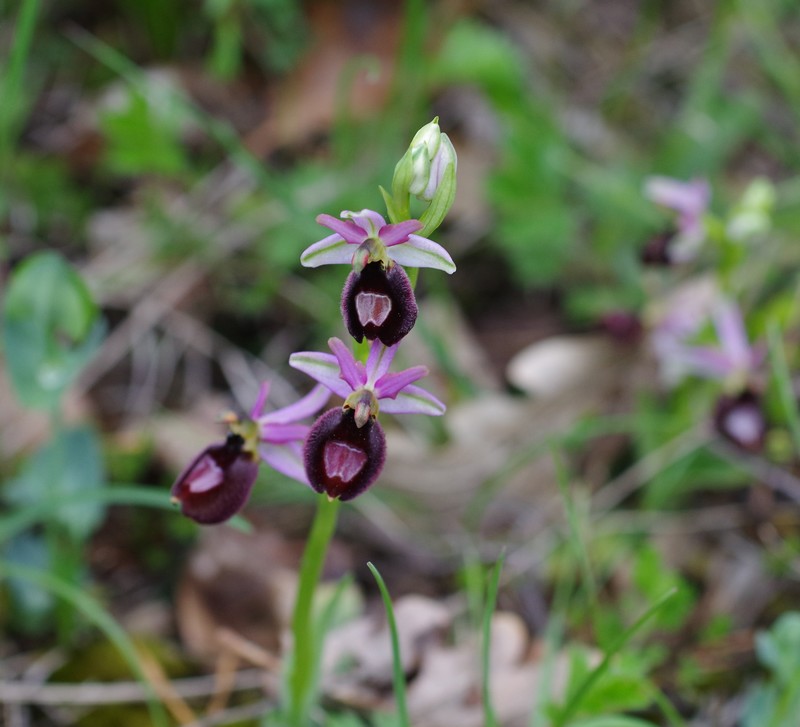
(300, 681)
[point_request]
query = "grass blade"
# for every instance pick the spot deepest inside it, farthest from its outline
(783, 380)
(594, 676)
(399, 676)
(489, 717)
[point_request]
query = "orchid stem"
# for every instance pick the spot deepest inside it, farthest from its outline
(301, 680)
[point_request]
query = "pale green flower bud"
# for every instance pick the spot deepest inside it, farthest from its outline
(428, 172)
(752, 216)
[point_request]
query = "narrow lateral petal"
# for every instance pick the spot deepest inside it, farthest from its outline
(413, 400)
(261, 400)
(283, 433)
(705, 361)
(420, 252)
(685, 197)
(732, 334)
(322, 367)
(309, 405)
(333, 250)
(390, 385)
(351, 372)
(348, 229)
(286, 459)
(395, 234)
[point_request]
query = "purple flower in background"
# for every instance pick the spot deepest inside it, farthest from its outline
(741, 420)
(733, 359)
(690, 200)
(345, 450)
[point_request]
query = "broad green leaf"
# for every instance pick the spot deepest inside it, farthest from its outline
(50, 328)
(70, 464)
(30, 605)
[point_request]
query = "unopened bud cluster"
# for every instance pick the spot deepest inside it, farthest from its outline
(342, 453)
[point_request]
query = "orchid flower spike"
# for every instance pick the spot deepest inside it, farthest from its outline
(217, 483)
(378, 300)
(345, 450)
(690, 200)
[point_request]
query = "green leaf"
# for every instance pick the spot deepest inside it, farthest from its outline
(31, 605)
(477, 54)
(144, 134)
(70, 464)
(50, 328)
(779, 648)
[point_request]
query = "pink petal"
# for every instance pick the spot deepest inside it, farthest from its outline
(350, 231)
(370, 222)
(261, 400)
(283, 433)
(379, 360)
(732, 335)
(309, 405)
(395, 234)
(286, 459)
(702, 361)
(354, 375)
(390, 385)
(689, 198)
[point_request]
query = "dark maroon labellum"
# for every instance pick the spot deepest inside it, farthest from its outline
(216, 485)
(623, 325)
(379, 303)
(740, 419)
(341, 459)
(657, 250)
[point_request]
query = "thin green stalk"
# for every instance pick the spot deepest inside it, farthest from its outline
(302, 669)
(17, 522)
(672, 715)
(11, 85)
(594, 676)
(398, 674)
(780, 369)
(97, 615)
(489, 716)
(553, 635)
(577, 541)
